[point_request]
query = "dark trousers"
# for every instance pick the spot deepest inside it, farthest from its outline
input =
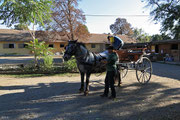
(109, 82)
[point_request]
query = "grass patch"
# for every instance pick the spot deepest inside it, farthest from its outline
(39, 75)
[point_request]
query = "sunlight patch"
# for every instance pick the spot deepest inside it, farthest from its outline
(3, 92)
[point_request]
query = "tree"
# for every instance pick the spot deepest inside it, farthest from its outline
(158, 37)
(137, 32)
(25, 12)
(68, 19)
(168, 13)
(21, 27)
(140, 35)
(40, 49)
(82, 32)
(121, 26)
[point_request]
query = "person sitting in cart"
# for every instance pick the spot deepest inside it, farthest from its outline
(111, 72)
(116, 42)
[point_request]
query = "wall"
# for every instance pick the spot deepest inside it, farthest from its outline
(166, 49)
(99, 47)
(57, 49)
(23, 51)
(16, 50)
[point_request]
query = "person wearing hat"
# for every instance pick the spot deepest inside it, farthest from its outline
(111, 72)
(116, 42)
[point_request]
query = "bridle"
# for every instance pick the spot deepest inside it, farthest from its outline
(73, 52)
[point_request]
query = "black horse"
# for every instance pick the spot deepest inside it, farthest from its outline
(86, 61)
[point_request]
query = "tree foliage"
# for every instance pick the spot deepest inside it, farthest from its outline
(21, 27)
(140, 35)
(121, 26)
(68, 19)
(82, 32)
(26, 12)
(168, 13)
(40, 49)
(158, 37)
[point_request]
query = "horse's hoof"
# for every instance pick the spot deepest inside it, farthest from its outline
(81, 90)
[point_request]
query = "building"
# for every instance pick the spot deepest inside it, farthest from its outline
(14, 41)
(164, 47)
(98, 42)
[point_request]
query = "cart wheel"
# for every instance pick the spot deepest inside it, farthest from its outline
(143, 70)
(123, 71)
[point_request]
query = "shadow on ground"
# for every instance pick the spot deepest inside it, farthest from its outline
(62, 101)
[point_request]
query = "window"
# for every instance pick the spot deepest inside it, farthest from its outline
(11, 46)
(51, 45)
(8, 45)
(93, 46)
(61, 45)
(174, 46)
(22, 45)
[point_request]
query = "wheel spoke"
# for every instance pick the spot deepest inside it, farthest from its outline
(140, 76)
(146, 77)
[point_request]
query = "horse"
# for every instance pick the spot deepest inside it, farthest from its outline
(86, 61)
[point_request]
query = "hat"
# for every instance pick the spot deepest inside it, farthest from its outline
(110, 47)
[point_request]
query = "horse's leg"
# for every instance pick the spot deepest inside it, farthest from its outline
(82, 83)
(87, 84)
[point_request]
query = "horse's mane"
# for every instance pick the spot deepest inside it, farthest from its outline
(80, 43)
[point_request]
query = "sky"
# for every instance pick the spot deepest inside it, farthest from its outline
(98, 24)
(101, 24)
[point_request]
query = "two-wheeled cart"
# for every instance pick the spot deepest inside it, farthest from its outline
(134, 59)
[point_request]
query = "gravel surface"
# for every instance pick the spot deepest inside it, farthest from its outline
(57, 98)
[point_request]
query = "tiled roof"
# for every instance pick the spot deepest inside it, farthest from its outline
(102, 38)
(166, 41)
(21, 35)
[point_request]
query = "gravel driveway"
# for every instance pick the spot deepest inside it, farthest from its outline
(57, 98)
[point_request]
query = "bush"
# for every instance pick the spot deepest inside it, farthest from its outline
(48, 63)
(71, 65)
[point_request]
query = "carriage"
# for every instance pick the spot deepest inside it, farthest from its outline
(87, 62)
(134, 59)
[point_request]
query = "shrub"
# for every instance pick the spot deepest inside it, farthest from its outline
(47, 63)
(71, 65)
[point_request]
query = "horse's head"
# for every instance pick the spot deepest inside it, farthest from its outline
(70, 50)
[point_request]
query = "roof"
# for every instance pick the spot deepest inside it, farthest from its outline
(9, 35)
(14, 35)
(24, 36)
(171, 41)
(134, 45)
(102, 38)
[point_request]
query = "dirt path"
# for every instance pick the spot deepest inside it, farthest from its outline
(57, 98)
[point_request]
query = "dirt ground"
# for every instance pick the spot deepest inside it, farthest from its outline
(57, 98)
